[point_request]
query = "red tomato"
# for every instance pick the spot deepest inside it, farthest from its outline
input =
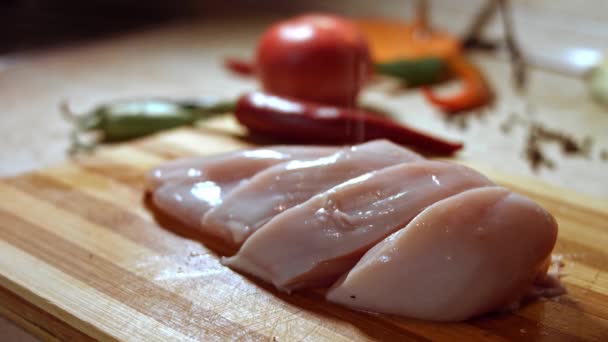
(314, 57)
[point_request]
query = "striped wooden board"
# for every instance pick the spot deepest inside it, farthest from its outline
(82, 257)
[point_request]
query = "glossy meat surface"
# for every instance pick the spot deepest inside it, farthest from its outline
(188, 200)
(389, 231)
(186, 189)
(472, 253)
(230, 166)
(278, 188)
(317, 241)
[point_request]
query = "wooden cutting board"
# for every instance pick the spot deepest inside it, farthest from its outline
(82, 257)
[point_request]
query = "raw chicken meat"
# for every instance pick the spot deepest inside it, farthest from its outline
(189, 199)
(394, 233)
(472, 253)
(317, 241)
(278, 188)
(187, 188)
(240, 164)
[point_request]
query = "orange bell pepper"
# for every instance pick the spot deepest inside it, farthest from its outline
(393, 40)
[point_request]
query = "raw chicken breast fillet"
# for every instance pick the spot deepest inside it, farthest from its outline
(472, 253)
(278, 188)
(314, 243)
(230, 166)
(186, 189)
(389, 231)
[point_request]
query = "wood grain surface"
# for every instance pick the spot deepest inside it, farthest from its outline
(83, 257)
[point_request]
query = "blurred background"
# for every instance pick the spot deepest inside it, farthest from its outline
(37, 24)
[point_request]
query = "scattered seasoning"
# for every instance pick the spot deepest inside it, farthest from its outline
(586, 146)
(481, 115)
(513, 119)
(459, 121)
(538, 134)
(534, 155)
(568, 144)
(462, 122)
(353, 297)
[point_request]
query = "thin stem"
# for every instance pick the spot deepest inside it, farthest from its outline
(78, 146)
(480, 22)
(66, 112)
(422, 15)
(518, 64)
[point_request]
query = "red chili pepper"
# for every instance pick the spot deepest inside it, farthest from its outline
(240, 67)
(306, 122)
(475, 90)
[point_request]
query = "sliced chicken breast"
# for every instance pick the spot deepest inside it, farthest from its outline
(188, 200)
(240, 164)
(472, 253)
(186, 189)
(314, 243)
(282, 186)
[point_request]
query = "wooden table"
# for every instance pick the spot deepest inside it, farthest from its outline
(183, 60)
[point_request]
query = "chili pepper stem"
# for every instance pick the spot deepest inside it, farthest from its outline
(78, 146)
(66, 111)
(84, 122)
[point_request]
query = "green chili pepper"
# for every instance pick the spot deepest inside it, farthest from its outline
(415, 72)
(133, 119)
